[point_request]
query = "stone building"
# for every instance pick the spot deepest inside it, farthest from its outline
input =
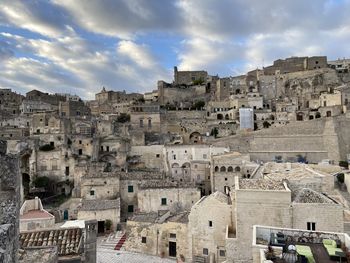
(103, 211)
(36, 95)
(33, 216)
(294, 64)
(189, 77)
(29, 107)
(208, 221)
(145, 117)
(153, 197)
(225, 167)
(130, 186)
(159, 234)
(78, 109)
(10, 102)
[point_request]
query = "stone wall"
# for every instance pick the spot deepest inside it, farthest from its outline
(176, 199)
(157, 237)
(9, 206)
(328, 217)
(253, 207)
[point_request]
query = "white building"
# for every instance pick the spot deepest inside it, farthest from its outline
(246, 118)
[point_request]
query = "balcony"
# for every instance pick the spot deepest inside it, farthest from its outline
(295, 245)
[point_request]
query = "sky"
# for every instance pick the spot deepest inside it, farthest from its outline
(79, 46)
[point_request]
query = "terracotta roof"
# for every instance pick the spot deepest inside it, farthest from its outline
(36, 214)
(68, 241)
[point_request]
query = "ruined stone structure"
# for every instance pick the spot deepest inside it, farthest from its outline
(9, 205)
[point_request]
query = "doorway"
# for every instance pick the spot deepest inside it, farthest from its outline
(100, 227)
(172, 249)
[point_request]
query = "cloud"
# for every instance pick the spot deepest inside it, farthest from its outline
(38, 16)
(81, 45)
(74, 65)
(124, 18)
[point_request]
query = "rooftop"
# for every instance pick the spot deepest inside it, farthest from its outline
(261, 184)
(293, 171)
(153, 217)
(94, 205)
(36, 214)
(67, 240)
(307, 195)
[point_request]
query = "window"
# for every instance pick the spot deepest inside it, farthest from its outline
(107, 148)
(141, 123)
(210, 223)
(172, 235)
(311, 226)
(52, 143)
(130, 189)
(130, 208)
(163, 201)
(149, 123)
(67, 170)
(92, 192)
(144, 240)
(157, 155)
(205, 251)
(204, 156)
(80, 142)
(78, 113)
(222, 253)
(174, 156)
(80, 151)
(225, 178)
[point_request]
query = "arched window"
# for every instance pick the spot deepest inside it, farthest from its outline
(237, 169)
(223, 169)
(230, 169)
(216, 168)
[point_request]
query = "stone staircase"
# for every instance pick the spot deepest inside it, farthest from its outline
(114, 241)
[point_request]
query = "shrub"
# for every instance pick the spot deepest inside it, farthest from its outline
(344, 164)
(108, 224)
(42, 181)
(123, 117)
(198, 105)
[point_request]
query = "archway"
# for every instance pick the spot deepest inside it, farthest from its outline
(300, 116)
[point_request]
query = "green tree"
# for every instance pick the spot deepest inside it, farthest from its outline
(42, 181)
(123, 117)
(198, 104)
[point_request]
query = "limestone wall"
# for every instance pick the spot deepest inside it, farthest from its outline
(271, 208)
(157, 237)
(328, 217)
(150, 200)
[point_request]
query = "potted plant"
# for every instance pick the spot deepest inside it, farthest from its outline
(270, 253)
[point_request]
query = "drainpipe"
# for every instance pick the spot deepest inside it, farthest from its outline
(157, 242)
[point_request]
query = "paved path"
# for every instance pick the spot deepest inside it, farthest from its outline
(113, 256)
